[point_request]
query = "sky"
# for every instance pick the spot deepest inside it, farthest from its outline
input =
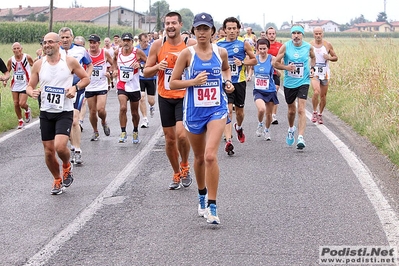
(255, 11)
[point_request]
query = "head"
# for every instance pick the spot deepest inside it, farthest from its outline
(107, 42)
(136, 39)
(203, 27)
(143, 40)
(297, 33)
(271, 34)
(127, 41)
(94, 43)
(262, 35)
(262, 46)
(66, 35)
(116, 38)
(232, 27)
(185, 34)
(318, 33)
(51, 43)
(221, 33)
(16, 48)
(79, 40)
(155, 35)
(249, 31)
(173, 24)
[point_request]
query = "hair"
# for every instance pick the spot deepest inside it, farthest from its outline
(263, 41)
(65, 29)
(173, 14)
(192, 30)
(270, 28)
(116, 35)
(143, 34)
(231, 19)
(80, 39)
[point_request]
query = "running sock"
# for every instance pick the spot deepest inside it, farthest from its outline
(211, 202)
(202, 191)
(123, 129)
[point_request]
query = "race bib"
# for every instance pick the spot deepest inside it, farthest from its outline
(168, 76)
(96, 73)
(126, 73)
(53, 98)
(262, 82)
(207, 95)
(233, 67)
(298, 72)
(321, 70)
(19, 77)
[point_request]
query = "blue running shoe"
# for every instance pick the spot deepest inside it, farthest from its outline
(290, 140)
(202, 202)
(300, 143)
(212, 216)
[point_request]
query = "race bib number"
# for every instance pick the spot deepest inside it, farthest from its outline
(298, 72)
(53, 98)
(168, 76)
(126, 73)
(233, 67)
(321, 70)
(207, 95)
(97, 71)
(262, 82)
(19, 77)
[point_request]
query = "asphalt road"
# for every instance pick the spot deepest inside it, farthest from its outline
(277, 204)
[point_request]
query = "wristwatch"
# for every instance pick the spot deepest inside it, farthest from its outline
(77, 87)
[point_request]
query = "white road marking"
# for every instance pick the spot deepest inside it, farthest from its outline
(17, 131)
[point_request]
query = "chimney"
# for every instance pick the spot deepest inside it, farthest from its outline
(20, 7)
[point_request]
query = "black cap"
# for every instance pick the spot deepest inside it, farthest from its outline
(127, 36)
(94, 37)
(203, 19)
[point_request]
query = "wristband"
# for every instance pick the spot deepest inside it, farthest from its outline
(227, 80)
(76, 86)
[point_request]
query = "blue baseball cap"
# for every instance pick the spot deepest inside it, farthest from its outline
(203, 19)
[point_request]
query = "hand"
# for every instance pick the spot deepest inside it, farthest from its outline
(163, 64)
(327, 56)
(201, 78)
(35, 93)
(229, 87)
(291, 67)
(71, 92)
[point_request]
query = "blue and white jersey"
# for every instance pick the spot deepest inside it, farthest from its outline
(235, 49)
(263, 73)
(202, 101)
(80, 54)
(299, 55)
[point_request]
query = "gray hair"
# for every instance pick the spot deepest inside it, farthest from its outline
(65, 29)
(80, 40)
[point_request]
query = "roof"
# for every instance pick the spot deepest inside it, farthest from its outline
(321, 23)
(22, 11)
(371, 24)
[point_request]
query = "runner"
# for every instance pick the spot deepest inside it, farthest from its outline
(80, 54)
(96, 92)
(204, 117)
(20, 64)
(6, 74)
(324, 53)
(298, 71)
(55, 72)
(126, 64)
(161, 59)
(109, 49)
(237, 50)
(147, 85)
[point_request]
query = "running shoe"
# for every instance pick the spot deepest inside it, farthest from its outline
(240, 133)
(176, 184)
(274, 119)
(28, 116)
(229, 148)
(67, 175)
(290, 140)
(203, 201)
(300, 143)
(107, 130)
(78, 157)
(320, 119)
(212, 216)
(259, 130)
(72, 159)
(81, 125)
(185, 176)
(20, 124)
(152, 111)
(135, 139)
(57, 187)
(145, 123)
(95, 136)
(267, 135)
(123, 137)
(314, 117)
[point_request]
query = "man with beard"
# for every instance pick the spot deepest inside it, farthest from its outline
(298, 71)
(161, 59)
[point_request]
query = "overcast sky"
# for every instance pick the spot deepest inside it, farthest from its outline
(255, 11)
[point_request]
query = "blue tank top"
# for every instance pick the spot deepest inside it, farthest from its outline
(146, 51)
(235, 49)
(203, 101)
(263, 72)
(299, 55)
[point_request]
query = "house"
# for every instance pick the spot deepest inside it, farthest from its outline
(326, 25)
(374, 27)
(22, 13)
(395, 26)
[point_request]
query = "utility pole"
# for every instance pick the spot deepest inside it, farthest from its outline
(109, 18)
(149, 16)
(134, 17)
(385, 7)
(50, 24)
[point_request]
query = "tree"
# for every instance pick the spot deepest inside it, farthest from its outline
(358, 20)
(159, 21)
(31, 17)
(187, 17)
(75, 4)
(285, 25)
(41, 18)
(382, 17)
(160, 7)
(271, 24)
(10, 16)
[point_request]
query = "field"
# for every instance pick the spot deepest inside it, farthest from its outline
(364, 90)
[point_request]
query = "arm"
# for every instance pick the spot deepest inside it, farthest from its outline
(114, 66)
(182, 62)
(108, 59)
(332, 56)
(77, 69)
(31, 89)
(151, 67)
(251, 59)
(226, 71)
(30, 60)
(277, 61)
